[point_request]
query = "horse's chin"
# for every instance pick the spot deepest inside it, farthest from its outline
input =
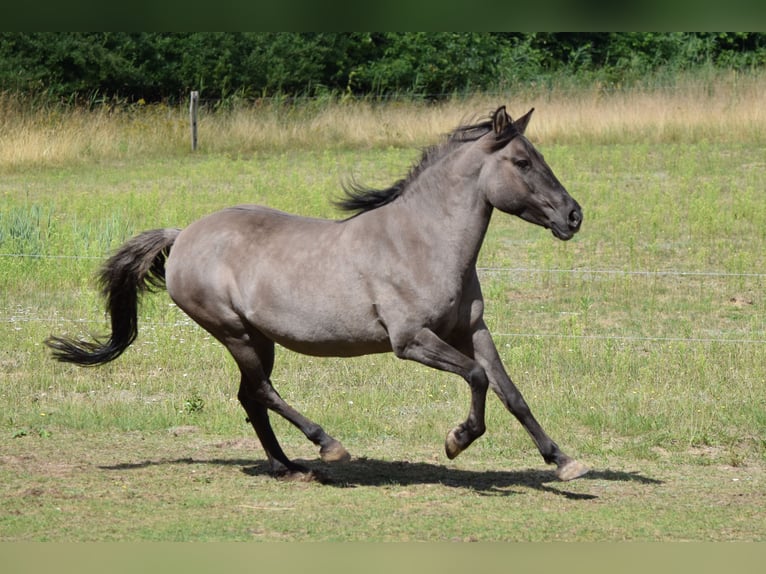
(564, 235)
(562, 232)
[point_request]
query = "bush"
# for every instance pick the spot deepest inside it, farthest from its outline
(94, 67)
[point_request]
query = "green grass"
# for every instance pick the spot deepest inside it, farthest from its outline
(120, 483)
(638, 344)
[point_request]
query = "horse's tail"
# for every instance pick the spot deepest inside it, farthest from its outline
(138, 266)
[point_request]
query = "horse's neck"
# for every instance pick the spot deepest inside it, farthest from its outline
(449, 211)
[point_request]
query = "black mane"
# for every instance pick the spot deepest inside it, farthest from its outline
(359, 199)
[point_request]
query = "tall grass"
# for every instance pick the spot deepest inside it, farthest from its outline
(725, 107)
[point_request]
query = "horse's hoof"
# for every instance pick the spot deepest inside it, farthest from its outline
(570, 469)
(334, 452)
(452, 445)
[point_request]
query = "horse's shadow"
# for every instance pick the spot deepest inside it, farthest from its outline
(373, 472)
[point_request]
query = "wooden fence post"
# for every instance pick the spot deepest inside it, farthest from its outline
(193, 107)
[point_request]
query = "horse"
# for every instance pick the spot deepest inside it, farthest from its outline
(398, 274)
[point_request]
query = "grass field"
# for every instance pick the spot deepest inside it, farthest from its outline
(639, 344)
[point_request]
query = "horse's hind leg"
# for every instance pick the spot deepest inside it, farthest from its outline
(330, 449)
(257, 396)
(258, 416)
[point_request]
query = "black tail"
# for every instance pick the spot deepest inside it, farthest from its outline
(138, 266)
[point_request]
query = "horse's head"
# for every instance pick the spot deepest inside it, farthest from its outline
(517, 180)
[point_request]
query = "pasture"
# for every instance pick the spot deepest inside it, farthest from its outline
(639, 344)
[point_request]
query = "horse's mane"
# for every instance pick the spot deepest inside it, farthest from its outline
(359, 198)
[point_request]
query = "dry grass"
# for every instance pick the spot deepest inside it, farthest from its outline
(727, 108)
(49, 137)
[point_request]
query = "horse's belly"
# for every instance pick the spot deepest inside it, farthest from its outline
(322, 330)
(335, 348)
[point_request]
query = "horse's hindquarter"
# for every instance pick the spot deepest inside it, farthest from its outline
(291, 278)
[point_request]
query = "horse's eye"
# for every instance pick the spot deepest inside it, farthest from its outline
(522, 164)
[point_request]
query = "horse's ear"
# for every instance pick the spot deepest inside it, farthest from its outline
(500, 120)
(523, 121)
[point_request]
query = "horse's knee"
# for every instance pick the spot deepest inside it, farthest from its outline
(477, 379)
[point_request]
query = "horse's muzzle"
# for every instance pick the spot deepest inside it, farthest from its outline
(565, 231)
(575, 219)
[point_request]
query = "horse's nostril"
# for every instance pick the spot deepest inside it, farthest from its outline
(575, 218)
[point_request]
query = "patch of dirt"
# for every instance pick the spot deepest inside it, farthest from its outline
(705, 451)
(249, 444)
(183, 430)
(32, 464)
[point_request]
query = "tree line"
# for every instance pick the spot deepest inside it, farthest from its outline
(153, 66)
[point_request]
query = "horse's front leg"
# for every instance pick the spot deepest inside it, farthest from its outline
(487, 356)
(429, 349)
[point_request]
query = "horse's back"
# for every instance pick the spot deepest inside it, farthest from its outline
(239, 246)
